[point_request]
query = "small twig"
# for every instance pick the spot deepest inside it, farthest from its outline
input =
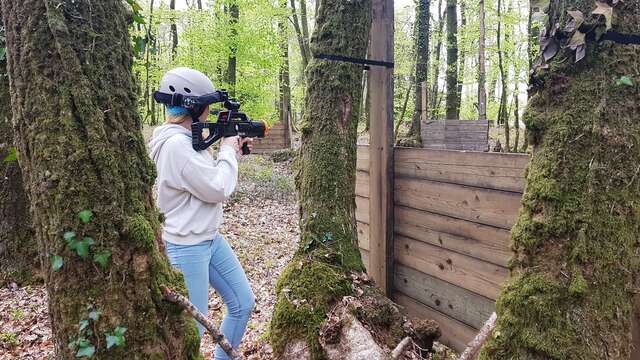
(400, 348)
(217, 336)
(474, 346)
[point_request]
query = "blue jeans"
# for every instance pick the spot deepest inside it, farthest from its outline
(214, 262)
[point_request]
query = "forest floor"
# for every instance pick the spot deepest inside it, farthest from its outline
(261, 225)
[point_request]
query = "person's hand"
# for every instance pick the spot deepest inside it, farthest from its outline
(233, 141)
(248, 141)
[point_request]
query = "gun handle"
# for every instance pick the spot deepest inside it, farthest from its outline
(245, 149)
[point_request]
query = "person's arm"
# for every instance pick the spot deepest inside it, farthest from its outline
(209, 182)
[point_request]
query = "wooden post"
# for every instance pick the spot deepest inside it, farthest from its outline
(381, 147)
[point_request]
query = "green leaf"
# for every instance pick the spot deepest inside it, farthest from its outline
(83, 324)
(95, 315)
(86, 351)
(102, 258)
(604, 9)
(56, 263)
(68, 236)
(625, 80)
(85, 215)
(12, 156)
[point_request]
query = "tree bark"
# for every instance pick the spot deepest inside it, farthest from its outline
(421, 103)
(18, 247)
(482, 73)
(78, 135)
(453, 103)
(174, 30)
(575, 265)
(328, 245)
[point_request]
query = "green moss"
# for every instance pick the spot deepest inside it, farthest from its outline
(305, 291)
(140, 231)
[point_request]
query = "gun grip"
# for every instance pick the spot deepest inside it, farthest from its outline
(245, 149)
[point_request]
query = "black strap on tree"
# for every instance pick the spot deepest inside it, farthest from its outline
(365, 62)
(625, 39)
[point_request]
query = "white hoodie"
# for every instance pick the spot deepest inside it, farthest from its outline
(191, 185)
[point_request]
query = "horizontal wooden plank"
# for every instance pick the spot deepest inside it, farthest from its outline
(483, 242)
(485, 206)
(455, 334)
(466, 272)
(461, 304)
(362, 209)
(363, 235)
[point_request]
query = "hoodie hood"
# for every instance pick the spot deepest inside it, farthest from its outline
(160, 136)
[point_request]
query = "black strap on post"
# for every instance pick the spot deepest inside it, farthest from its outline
(364, 62)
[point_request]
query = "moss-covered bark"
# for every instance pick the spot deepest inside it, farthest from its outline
(316, 276)
(575, 269)
(80, 148)
(18, 247)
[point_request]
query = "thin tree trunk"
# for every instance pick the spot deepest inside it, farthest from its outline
(575, 242)
(462, 58)
(453, 103)
(174, 30)
(327, 207)
(421, 103)
(482, 73)
(81, 149)
(436, 64)
(305, 52)
(18, 246)
(234, 16)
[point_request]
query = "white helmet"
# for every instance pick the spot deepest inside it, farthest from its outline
(187, 82)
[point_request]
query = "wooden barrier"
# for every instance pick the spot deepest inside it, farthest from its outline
(278, 138)
(456, 135)
(453, 214)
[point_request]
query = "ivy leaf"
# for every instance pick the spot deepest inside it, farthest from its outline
(85, 215)
(102, 258)
(625, 80)
(68, 236)
(95, 315)
(86, 351)
(12, 156)
(56, 263)
(605, 10)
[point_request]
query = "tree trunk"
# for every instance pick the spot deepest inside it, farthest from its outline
(18, 246)
(81, 149)
(436, 64)
(453, 103)
(575, 265)
(284, 80)
(174, 30)
(421, 103)
(503, 113)
(328, 245)
(234, 16)
(482, 73)
(462, 58)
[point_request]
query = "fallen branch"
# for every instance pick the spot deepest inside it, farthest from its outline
(217, 336)
(400, 348)
(474, 346)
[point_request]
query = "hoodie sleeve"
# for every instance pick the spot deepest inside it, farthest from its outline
(208, 181)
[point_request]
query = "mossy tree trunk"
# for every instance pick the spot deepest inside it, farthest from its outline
(19, 259)
(453, 102)
(80, 146)
(422, 66)
(316, 276)
(575, 268)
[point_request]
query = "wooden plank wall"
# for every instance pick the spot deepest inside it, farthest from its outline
(453, 214)
(456, 135)
(278, 138)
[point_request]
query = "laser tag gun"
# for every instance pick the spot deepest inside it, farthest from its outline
(230, 122)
